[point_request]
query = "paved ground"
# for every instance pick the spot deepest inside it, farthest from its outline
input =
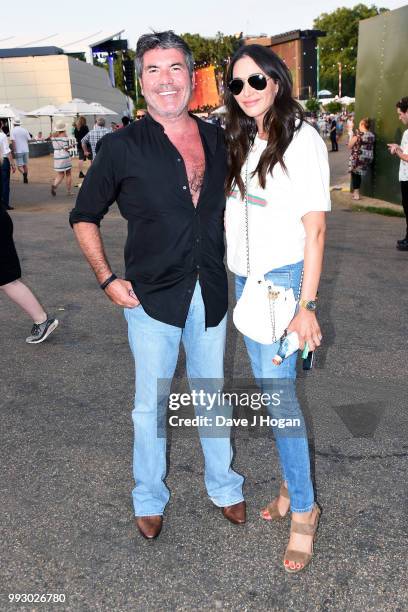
(66, 523)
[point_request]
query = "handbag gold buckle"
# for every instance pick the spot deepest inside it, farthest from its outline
(273, 295)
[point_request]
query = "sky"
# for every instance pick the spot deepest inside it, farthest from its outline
(137, 17)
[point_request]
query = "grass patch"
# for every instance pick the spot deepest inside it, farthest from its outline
(378, 210)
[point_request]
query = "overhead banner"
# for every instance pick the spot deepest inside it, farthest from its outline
(205, 92)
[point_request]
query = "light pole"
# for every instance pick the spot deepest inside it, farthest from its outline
(340, 67)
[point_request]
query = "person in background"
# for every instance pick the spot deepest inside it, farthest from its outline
(362, 154)
(62, 158)
(80, 131)
(140, 114)
(20, 138)
(350, 125)
(333, 134)
(401, 151)
(7, 164)
(13, 287)
(339, 127)
(114, 126)
(90, 140)
(125, 121)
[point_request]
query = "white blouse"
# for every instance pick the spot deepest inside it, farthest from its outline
(275, 227)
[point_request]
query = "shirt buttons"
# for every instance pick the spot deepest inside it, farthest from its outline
(179, 159)
(184, 187)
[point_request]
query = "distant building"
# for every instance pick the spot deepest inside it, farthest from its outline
(299, 50)
(31, 77)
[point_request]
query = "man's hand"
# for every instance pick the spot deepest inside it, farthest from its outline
(393, 148)
(307, 327)
(120, 292)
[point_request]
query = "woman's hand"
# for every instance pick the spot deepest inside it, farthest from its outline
(393, 148)
(306, 326)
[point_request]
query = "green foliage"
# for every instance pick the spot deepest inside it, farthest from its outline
(211, 50)
(313, 105)
(141, 102)
(340, 45)
(378, 210)
(333, 107)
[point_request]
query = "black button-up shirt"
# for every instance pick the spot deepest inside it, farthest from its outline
(170, 243)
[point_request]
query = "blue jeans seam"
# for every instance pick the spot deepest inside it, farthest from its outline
(300, 511)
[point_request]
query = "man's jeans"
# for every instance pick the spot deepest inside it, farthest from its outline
(155, 347)
(292, 445)
(5, 189)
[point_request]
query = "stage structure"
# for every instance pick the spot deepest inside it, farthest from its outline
(112, 50)
(381, 80)
(299, 50)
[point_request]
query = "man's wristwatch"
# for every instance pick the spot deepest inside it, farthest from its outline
(309, 304)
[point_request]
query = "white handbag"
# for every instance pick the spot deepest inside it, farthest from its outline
(264, 309)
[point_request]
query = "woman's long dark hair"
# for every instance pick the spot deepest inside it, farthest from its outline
(280, 121)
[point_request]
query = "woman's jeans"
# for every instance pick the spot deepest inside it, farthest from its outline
(291, 442)
(155, 347)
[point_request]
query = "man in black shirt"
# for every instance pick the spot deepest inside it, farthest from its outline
(333, 133)
(166, 174)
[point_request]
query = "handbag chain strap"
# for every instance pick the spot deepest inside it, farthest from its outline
(272, 295)
(246, 216)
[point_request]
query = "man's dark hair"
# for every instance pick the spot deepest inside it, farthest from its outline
(403, 104)
(125, 120)
(162, 40)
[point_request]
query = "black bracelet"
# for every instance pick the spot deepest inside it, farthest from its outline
(108, 281)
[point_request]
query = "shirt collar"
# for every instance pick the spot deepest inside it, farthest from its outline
(207, 131)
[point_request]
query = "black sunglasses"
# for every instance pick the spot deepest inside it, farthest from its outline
(256, 81)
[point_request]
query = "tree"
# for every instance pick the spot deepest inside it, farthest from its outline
(333, 107)
(313, 105)
(340, 45)
(212, 50)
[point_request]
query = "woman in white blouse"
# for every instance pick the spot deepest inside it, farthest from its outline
(278, 172)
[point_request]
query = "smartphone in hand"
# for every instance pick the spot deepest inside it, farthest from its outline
(308, 361)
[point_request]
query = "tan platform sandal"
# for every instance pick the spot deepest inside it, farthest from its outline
(298, 557)
(272, 507)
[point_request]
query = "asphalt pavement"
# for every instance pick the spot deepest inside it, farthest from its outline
(66, 441)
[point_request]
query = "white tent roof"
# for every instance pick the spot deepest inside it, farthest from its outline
(9, 111)
(74, 42)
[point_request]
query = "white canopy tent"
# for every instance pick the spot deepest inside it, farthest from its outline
(7, 111)
(49, 110)
(101, 110)
(76, 107)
